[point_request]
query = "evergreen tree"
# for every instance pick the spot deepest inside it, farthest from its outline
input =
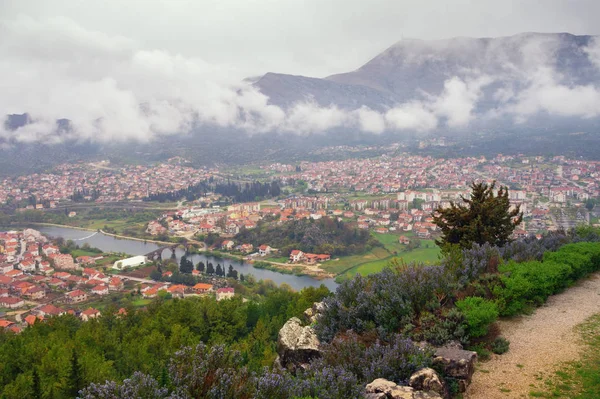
(186, 265)
(232, 273)
(242, 278)
(75, 376)
(36, 388)
(219, 271)
(200, 267)
(210, 269)
(484, 217)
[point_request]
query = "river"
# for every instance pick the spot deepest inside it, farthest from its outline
(133, 247)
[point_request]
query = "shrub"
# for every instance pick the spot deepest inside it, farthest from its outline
(530, 282)
(395, 361)
(483, 353)
(500, 345)
(385, 301)
(438, 329)
(479, 313)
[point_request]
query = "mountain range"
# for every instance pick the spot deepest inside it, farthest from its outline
(512, 88)
(411, 68)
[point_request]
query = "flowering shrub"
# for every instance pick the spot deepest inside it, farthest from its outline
(139, 386)
(385, 301)
(395, 361)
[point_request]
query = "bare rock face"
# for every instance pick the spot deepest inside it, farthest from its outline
(457, 363)
(427, 379)
(382, 388)
(297, 345)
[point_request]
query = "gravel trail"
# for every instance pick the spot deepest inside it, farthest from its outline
(538, 344)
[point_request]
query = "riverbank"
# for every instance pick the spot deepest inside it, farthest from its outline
(58, 225)
(66, 226)
(169, 243)
(109, 243)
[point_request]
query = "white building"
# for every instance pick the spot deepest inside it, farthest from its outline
(130, 262)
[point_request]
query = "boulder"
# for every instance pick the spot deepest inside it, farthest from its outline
(456, 363)
(391, 390)
(297, 345)
(427, 379)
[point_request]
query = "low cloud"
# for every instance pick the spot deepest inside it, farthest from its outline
(112, 89)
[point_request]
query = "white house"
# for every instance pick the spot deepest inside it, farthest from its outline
(296, 256)
(264, 250)
(130, 262)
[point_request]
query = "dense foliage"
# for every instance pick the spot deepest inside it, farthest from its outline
(325, 235)
(215, 372)
(458, 299)
(114, 347)
(485, 217)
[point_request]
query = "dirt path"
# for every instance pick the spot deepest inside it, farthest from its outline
(538, 344)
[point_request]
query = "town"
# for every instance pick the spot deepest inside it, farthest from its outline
(37, 281)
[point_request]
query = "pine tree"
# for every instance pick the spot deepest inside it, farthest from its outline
(186, 265)
(75, 377)
(484, 217)
(219, 271)
(36, 388)
(200, 267)
(210, 269)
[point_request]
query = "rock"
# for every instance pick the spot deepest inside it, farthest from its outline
(379, 395)
(312, 314)
(453, 345)
(427, 379)
(456, 363)
(309, 316)
(297, 345)
(392, 390)
(277, 363)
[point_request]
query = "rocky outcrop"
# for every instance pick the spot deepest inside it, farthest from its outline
(312, 314)
(427, 379)
(384, 389)
(297, 345)
(456, 363)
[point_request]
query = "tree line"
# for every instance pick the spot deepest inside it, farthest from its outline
(236, 192)
(57, 358)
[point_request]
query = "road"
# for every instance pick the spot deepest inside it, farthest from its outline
(139, 280)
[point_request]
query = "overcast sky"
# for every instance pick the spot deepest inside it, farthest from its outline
(308, 37)
(135, 69)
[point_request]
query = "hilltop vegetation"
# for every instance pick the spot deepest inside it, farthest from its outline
(206, 349)
(67, 354)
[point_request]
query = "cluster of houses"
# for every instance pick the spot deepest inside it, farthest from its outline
(112, 184)
(42, 313)
(297, 256)
(182, 291)
(32, 269)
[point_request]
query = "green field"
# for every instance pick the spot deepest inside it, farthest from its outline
(138, 303)
(378, 258)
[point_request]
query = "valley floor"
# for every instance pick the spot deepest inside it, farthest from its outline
(539, 344)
